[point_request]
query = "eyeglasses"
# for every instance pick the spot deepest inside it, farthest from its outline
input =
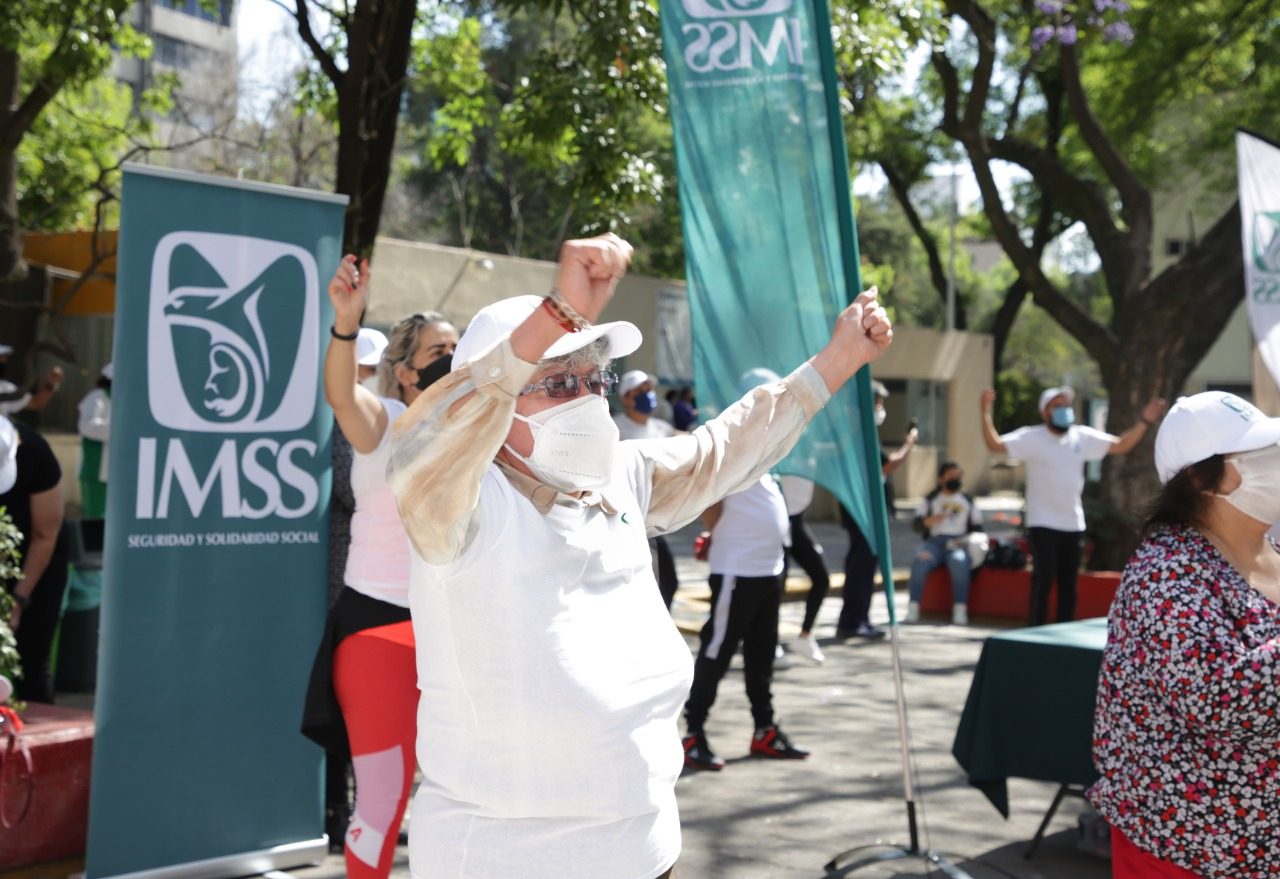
(564, 385)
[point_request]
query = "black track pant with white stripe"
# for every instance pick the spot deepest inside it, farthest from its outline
(744, 610)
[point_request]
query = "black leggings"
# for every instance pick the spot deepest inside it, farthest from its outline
(668, 582)
(859, 577)
(1053, 553)
(808, 555)
(38, 626)
(744, 610)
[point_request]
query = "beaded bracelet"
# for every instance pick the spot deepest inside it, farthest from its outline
(563, 313)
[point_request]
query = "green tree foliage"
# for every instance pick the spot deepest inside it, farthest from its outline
(528, 128)
(47, 48)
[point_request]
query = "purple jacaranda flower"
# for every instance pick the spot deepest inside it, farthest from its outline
(1118, 32)
(1067, 35)
(1048, 7)
(1040, 36)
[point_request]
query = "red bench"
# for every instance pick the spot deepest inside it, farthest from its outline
(1002, 592)
(60, 741)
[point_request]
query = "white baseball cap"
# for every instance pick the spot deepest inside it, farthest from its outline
(632, 380)
(369, 346)
(109, 371)
(1054, 392)
(1208, 424)
(8, 454)
(12, 398)
(495, 322)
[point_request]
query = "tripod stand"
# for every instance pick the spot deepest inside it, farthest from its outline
(876, 853)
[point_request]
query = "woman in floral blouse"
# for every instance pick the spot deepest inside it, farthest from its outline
(1187, 729)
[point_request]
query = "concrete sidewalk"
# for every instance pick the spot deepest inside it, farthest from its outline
(784, 820)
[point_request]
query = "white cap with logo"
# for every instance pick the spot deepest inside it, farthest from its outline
(8, 454)
(1208, 424)
(1050, 393)
(632, 380)
(495, 322)
(369, 346)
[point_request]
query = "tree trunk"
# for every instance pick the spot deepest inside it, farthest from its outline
(1165, 329)
(369, 103)
(11, 267)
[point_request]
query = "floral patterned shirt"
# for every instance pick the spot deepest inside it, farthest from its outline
(1187, 728)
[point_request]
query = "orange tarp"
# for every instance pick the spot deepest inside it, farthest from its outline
(73, 253)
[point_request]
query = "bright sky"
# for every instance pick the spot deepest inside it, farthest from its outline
(269, 51)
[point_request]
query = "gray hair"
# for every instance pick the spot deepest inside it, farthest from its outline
(402, 345)
(595, 354)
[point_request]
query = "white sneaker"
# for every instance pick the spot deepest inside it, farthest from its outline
(780, 659)
(960, 615)
(913, 612)
(807, 646)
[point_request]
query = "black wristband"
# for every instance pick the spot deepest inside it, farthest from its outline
(333, 331)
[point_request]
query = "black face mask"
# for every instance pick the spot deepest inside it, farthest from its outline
(952, 485)
(434, 371)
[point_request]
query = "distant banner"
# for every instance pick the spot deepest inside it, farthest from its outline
(1258, 160)
(771, 249)
(216, 543)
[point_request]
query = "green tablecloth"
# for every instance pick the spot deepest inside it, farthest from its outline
(1030, 708)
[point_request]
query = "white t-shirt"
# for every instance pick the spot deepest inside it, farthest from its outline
(959, 509)
(751, 532)
(1055, 471)
(536, 740)
(653, 428)
(378, 561)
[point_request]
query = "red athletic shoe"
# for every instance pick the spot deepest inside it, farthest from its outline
(773, 742)
(698, 754)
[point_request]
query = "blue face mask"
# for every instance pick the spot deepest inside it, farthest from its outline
(646, 403)
(1062, 417)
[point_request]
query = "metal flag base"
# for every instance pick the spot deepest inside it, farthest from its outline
(889, 852)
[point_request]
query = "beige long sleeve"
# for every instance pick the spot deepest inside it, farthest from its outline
(443, 445)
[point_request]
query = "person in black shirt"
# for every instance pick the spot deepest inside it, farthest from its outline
(34, 502)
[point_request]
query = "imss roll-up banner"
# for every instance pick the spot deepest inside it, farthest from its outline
(216, 539)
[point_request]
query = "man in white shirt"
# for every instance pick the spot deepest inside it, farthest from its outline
(551, 676)
(1055, 454)
(637, 421)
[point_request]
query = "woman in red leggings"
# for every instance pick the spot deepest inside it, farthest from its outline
(363, 694)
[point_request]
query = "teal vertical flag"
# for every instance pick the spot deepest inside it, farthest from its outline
(216, 550)
(771, 248)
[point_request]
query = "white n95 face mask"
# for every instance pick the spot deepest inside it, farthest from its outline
(573, 444)
(1258, 494)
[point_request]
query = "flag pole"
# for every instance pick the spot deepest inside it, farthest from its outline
(876, 852)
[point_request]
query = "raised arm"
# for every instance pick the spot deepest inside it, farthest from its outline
(357, 411)
(690, 473)
(899, 457)
(1126, 441)
(443, 445)
(989, 434)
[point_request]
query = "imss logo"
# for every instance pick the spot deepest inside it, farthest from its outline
(1266, 258)
(735, 35)
(233, 334)
(233, 348)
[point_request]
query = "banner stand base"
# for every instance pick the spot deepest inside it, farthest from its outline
(280, 857)
(891, 853)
